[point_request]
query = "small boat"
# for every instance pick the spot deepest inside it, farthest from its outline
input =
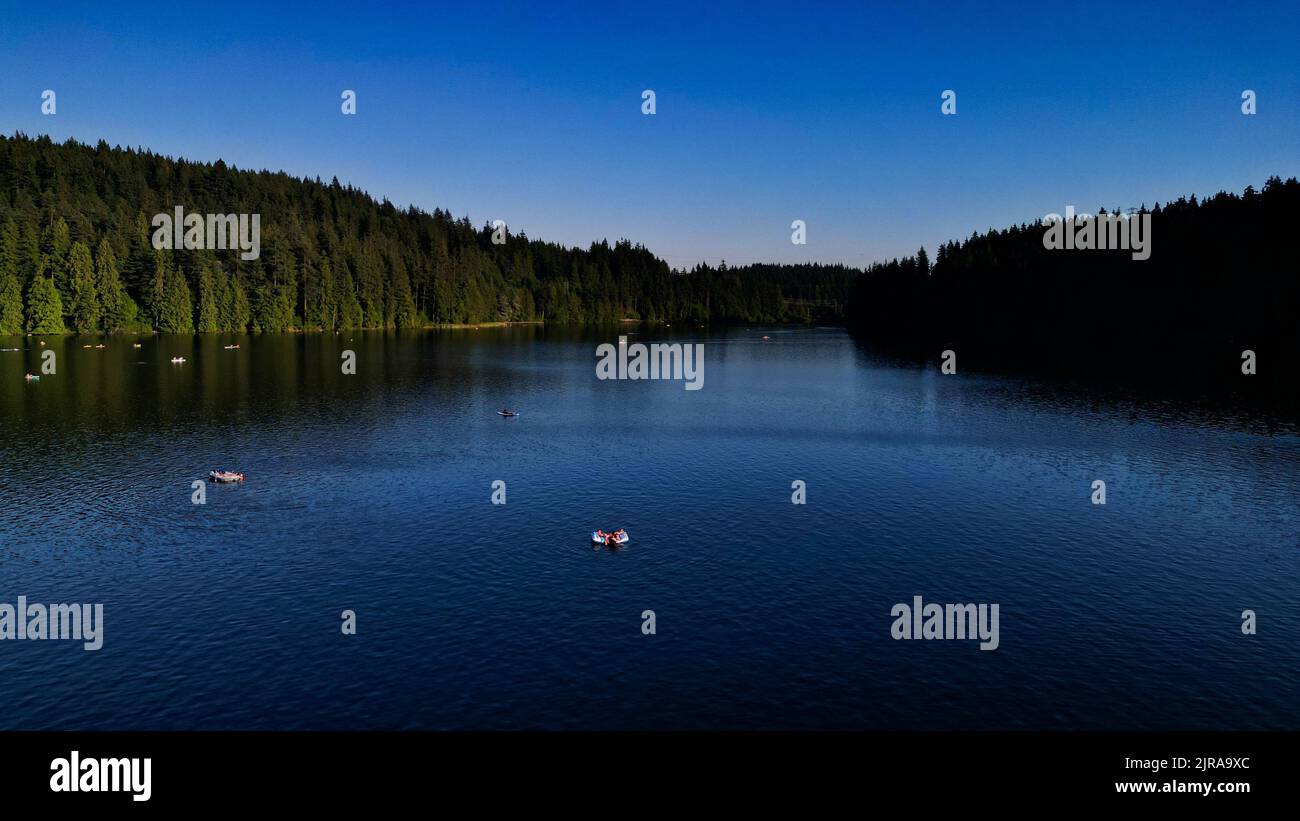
(85, 346)
(136, 345)
(231, 347)
(609, 539)
(178, 359)
(101, 346)
(507, 413)
(31, 377)
(225, 476)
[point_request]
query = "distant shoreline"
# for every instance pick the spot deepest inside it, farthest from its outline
(433, 326)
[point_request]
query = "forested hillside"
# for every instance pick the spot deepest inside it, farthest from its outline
(76, 255)
(1223, 277)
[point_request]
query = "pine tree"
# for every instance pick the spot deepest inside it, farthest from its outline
(402, 305)
(371, 288)
(208, 314)
(155, 292)
(119, 310)
(84, 308)
(11, 291)
(351, 315)
(225, 301)
(240, 312)
(327, 307)
(44, 307)
(55, 244)
(177, 316)
(11, 305)
(275, 295)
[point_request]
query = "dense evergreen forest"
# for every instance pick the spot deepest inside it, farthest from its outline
(1223, 277)
(76, 256)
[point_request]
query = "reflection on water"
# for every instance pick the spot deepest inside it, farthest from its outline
(372, 492)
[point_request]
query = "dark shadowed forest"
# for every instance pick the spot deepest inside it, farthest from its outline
(1223, 277)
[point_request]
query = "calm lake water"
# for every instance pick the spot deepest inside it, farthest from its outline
(372, 492)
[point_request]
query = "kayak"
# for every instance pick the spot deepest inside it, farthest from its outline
(507, 413)
(601, 537)
(225, 476)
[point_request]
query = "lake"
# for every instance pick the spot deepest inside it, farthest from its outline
(372, 492)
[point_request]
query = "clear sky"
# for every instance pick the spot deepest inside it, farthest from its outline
(766, 112)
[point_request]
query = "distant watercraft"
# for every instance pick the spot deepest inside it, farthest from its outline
(136, 345)
(507, 413)
(225, 476)
(178, 359)
(31, 377)
(609, 539)
(101, 346)
(231, 347)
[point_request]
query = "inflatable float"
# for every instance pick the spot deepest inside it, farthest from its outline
(225, 476)
(609, 539)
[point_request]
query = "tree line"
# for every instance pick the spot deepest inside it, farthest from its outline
(76, 256)
(1223, 278)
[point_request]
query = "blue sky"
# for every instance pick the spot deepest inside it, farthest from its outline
(766, 113)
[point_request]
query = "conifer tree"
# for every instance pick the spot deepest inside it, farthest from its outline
(327, 308)
(118, 309)
(11, 291)
(208, 315)
(84, 308)
(44, 307)
(240, 312)
(155, 291)
(177, 315)
(55, 244)
(350, 312)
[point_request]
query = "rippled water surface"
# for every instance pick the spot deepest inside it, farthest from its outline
(372, 493)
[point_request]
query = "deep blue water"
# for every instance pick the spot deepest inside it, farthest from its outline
(372, 493)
